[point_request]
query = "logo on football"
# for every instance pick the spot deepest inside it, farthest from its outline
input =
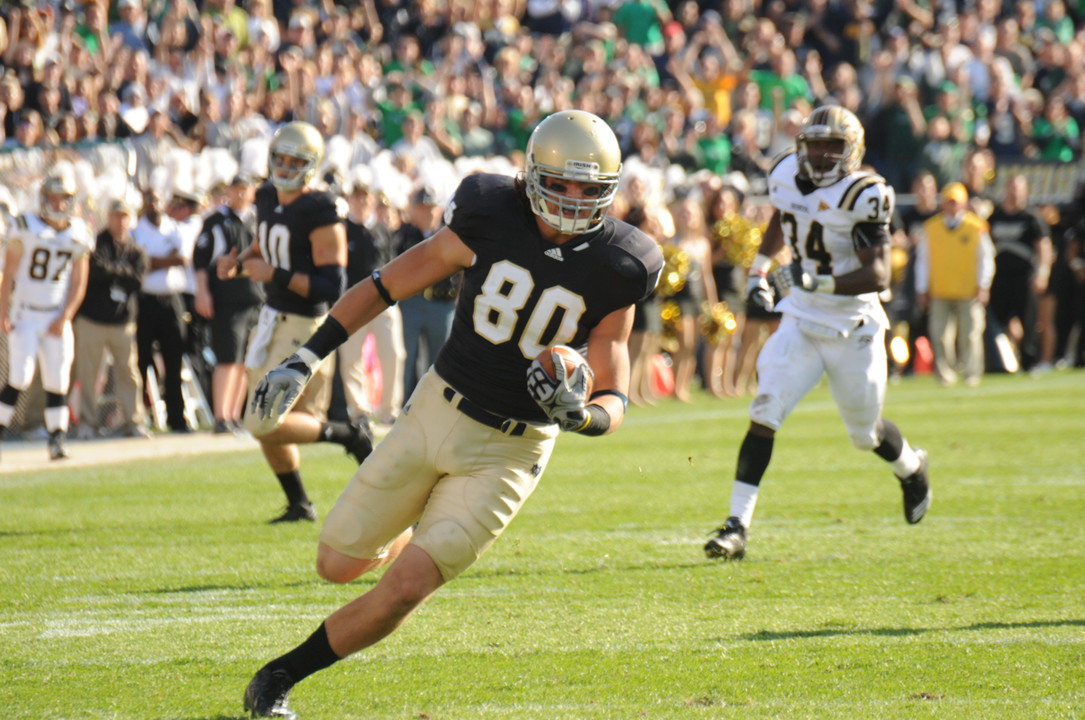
(570, 358)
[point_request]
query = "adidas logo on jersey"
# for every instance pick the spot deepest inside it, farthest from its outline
(822, 206)
(278, 208)
(555, 253)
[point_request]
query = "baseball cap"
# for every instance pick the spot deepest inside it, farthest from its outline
(121, 206)
(955, 191)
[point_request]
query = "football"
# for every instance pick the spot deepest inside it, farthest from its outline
(570, 357)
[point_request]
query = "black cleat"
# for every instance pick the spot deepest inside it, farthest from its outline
(917, 491)
(58, 445)
(296, 512)
(361, 444)
(729, 543)
(266, 695)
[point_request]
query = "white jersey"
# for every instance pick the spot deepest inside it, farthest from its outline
(45, 271)
(818, 225)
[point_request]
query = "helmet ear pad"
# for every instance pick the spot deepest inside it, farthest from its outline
(572, 146)
(300, 141)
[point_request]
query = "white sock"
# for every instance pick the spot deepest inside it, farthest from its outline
(907, 464)
(56, 418)
(743, 500)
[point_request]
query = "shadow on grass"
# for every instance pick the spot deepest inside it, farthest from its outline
(765, 635)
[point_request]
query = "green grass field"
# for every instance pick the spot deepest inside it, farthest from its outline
(154, 590)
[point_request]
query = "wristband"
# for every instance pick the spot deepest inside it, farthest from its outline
(330, 335)
(826, 284)
(282, 277)
(597, 422)
(381, 290)
(308, 357)
(761, 264)
(620, 396)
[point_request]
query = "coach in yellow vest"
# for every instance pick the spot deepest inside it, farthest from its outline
(955, 263)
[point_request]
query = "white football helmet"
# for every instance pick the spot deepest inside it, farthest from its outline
(59, 185)
(826, 126)
(295, 141)
(578, 146)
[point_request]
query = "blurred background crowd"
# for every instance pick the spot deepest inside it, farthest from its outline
(181, 97)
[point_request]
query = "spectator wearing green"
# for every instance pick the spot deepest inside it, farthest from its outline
(397, 104)
(641, 22)
(713, 145)
(783, 76)
(1056, 135)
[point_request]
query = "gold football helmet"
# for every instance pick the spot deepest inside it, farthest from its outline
(839, 139)
(572, 145)
(294, 155)
(58, 191)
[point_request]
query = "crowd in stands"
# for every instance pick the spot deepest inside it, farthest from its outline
(185, 95)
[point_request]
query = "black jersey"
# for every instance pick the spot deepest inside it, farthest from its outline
(283, 232)
(524, 294)
(222, 232)
(367, 250)
(1016, 237)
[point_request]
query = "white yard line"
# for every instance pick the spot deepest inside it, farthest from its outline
(32, 455)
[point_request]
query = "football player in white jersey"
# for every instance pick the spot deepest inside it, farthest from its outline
(46, 266)
(835, 218)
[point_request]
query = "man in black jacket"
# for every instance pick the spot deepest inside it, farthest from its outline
(229, 306)
(107, 319)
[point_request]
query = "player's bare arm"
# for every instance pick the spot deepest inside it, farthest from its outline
(76, 290)
(608, 356)
(428, 262)
(329, 249)
(873, 276)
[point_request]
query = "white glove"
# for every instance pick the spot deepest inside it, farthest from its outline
(758, 292)
(280, 388)
(563, 397)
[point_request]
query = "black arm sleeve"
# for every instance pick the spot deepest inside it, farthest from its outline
(327, 283)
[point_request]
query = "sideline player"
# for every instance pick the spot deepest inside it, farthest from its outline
(300, 255)
(835, 217)
(45, 278)
(543, 264)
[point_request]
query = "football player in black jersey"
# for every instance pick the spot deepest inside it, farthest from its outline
(542, 264)
(300, 254)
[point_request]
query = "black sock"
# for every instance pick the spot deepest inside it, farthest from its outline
(312, 655)
(753, 458)
(892, 442)
(340, 433)
(295, 491)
